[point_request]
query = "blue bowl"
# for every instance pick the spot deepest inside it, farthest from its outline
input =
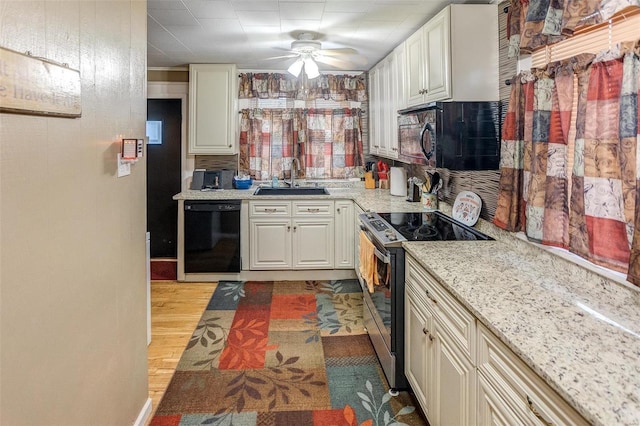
(242, 183)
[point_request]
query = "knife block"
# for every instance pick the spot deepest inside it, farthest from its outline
(369, 182)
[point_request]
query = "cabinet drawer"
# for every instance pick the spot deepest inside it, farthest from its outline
(455, 319)
(313, 208)
(270, 208)
(524, 391)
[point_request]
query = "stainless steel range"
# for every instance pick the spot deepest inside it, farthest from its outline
(384, 299)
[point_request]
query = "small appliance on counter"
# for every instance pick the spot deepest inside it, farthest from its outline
(398, 177)
(204, 180)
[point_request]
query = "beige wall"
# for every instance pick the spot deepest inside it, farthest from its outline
(72, 235)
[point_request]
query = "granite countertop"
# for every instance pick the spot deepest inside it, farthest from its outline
(577, 330)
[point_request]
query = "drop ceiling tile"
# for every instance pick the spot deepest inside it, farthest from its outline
(299, 24)
(173, 17)
(340, 19)
(222, 26)
(255, 5)
(165, 4)
(248, 18)
(211, 9)
(297, 10)
(355, 6)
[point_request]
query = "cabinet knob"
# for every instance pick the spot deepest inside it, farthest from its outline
(431, 297)
(313, 210)
(288, 228)
(425, 331)
(294, 228)
(338, 209)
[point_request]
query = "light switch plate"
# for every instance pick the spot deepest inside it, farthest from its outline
(124, 168)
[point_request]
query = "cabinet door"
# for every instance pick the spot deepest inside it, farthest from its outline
(212, 109)
(344, 243)
(454, 383)
(313, 243)
(438, 61)
(418, 347)
(400, 76)
(270, 246)
(415, 78)
(375, 110)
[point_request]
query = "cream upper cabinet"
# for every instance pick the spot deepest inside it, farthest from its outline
(213, 110)
(454, 56)
(386, 96)
(375, 109)
(415, 77)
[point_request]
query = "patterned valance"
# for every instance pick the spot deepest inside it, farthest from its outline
(279, 85)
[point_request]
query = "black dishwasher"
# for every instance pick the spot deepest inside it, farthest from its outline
(212, 236)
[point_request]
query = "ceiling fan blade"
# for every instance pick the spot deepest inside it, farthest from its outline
(334, 62)
(338, 52)
(292, 55)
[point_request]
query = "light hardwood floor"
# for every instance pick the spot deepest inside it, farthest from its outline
(175, 311)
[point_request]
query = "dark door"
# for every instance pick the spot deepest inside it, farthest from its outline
(163, 177)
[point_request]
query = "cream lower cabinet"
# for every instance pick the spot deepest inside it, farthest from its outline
(511, 392)
(461, 373)
(291, 235)
(344, 243)
(439, 339)
(418, 345)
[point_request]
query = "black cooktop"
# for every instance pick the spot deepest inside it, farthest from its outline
(431, 226)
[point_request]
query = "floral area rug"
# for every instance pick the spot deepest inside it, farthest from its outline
(282, 353)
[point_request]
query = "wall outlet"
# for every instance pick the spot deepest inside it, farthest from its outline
(124, 168)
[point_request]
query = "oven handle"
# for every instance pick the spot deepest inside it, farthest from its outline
(385, 258)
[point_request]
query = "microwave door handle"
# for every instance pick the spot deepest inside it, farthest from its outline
(427, 128)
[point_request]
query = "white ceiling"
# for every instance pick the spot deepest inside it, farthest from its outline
(246, 32)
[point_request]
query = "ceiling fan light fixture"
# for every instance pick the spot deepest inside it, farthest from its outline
(311, 68)
(296, 67)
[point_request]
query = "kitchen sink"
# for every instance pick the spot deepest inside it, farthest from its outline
(296, 190)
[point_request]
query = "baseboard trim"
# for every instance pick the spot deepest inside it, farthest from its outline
(145, 414)
(316, 274)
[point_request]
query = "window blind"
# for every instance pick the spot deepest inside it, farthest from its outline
(623, 26)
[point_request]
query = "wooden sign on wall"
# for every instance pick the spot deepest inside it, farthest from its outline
(37, 86)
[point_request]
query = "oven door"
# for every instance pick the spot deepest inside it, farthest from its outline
(377, 314)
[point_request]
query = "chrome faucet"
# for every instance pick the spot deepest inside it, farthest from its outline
(294, 171)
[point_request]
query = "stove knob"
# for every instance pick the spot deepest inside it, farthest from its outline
(390, 235)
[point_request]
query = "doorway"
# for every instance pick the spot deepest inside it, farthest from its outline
(164, 170)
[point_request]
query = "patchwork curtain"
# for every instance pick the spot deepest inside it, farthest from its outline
(510, 210)
(267, 142)
(577, 191)
(327, 142)
(326, 86)
(331, 141)
(535, 23)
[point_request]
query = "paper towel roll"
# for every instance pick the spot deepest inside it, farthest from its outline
(398, 181)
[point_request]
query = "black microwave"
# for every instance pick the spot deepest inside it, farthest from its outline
(452, 135)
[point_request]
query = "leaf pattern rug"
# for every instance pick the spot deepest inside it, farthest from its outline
(282, 353)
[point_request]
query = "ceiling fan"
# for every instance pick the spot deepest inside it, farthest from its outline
(307, 51)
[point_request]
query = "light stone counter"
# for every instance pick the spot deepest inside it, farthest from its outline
(579, 331)
(377, 200)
